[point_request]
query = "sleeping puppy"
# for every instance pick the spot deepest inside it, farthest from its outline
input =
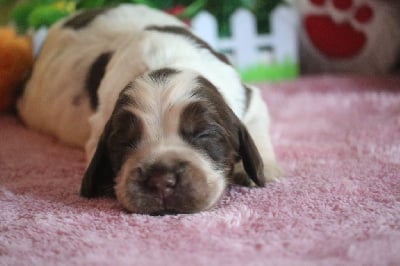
(165, 120)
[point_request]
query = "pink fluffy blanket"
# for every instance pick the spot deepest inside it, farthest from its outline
(337, 139)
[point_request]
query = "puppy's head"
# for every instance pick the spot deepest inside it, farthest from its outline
(170, 146)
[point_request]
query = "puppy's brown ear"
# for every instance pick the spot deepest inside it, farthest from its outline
(99, 177)
(251, 159)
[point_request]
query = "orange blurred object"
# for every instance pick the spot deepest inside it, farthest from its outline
(16, 61)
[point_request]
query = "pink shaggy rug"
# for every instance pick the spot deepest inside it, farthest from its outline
(337, 138)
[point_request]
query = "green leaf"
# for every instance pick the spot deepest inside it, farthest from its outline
(5, 2)
(45, 16)
(20, 15)
(192, 9)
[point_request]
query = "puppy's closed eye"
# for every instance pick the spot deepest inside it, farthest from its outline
(213, 141)
(212, 131)
(200, 128)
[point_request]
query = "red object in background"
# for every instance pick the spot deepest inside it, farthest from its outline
(342, 4)
(176, 11)
(335, 40)
(364, 14)
(318, 2)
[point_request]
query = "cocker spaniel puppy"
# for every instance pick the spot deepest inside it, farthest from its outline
(165, 120)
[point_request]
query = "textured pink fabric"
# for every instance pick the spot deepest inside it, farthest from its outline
(337, 139)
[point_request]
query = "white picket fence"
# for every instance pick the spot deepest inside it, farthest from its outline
(246, 45)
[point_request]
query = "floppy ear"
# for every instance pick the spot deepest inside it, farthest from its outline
(251, 159)
(99, 177)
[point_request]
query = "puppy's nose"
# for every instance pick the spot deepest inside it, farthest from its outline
(164, 184)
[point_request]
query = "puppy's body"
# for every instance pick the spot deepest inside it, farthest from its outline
(139, 77)
(57, 99)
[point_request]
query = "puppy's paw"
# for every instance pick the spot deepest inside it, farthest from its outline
(242, 179)
(272, 173)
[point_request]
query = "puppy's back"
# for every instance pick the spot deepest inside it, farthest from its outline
(126, 18)
(61, 93)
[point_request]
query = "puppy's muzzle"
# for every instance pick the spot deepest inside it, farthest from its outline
(162, 177)
(169, 183)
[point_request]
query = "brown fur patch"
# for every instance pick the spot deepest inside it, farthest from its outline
(190, 36)
(84, 18)
(94, 77)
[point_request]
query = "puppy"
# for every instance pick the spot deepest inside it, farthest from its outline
(165, 120)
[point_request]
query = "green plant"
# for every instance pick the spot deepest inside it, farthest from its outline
(287, 69)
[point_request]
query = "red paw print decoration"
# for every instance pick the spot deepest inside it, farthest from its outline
(335, 28)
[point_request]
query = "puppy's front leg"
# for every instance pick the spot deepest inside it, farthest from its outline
(257, 122)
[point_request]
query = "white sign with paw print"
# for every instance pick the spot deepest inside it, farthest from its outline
(360, 36)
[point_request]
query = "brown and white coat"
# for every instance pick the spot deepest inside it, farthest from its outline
(166, 121)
